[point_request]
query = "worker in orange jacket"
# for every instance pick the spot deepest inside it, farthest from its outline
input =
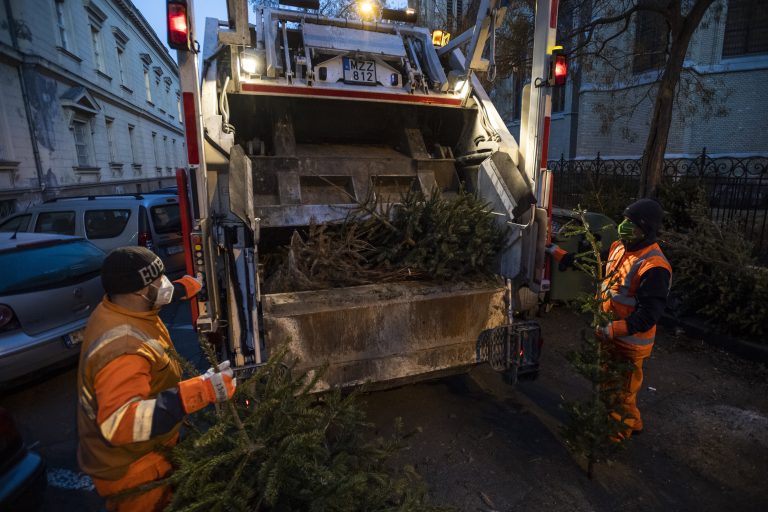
(638, 278)
(131, 396)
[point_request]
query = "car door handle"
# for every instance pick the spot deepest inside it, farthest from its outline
(82, 309)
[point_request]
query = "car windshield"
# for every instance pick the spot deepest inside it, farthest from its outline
(39, 266)
(166, 218)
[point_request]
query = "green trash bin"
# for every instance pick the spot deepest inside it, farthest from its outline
(566, 285)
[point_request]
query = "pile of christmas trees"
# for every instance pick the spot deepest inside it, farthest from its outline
(421, 237)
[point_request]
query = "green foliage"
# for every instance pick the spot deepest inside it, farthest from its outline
(714, 272)
(592, 431)
(281, 448)
(433, 238)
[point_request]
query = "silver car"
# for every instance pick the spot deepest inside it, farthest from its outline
(49, 284)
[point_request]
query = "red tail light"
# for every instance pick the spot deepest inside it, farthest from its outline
(8, 320)
(145, 240)
(178, 26)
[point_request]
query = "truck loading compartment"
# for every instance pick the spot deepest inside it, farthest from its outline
(293, 142)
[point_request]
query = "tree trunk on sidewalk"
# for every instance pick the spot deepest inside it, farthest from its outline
(681, 31)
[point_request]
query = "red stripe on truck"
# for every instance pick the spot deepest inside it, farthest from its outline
(190, 123)
(553, 14)
(336, 93)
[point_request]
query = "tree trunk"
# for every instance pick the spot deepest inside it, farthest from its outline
(658, 134)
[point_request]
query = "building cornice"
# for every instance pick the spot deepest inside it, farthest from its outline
(150, 36)
(96, 90)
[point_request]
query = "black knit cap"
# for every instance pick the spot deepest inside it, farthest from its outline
(646, 214)
(129, 269)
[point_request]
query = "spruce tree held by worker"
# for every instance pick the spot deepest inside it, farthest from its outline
(592, 431)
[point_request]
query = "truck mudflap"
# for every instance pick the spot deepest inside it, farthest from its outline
(384, 333)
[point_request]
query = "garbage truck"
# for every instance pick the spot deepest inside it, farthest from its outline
(292, 118)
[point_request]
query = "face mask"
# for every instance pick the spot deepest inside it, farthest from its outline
(628, 232)
(162, 294)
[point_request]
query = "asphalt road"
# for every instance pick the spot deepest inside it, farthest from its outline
(485, 446)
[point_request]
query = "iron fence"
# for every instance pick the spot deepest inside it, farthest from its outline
(735, 188)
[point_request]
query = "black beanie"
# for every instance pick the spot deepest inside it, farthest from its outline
(129, 269)
(647, 215)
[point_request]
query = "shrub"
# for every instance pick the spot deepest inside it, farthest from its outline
(713, 271)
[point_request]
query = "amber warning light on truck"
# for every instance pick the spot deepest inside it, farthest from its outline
(178, 26)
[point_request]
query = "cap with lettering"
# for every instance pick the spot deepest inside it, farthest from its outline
(129, 269)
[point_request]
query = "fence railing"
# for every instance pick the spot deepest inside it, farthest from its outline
(736, 188)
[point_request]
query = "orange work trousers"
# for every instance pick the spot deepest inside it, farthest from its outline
(149, 468)
(632, 382)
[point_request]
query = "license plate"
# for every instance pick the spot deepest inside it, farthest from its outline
(359, 71)
(174, 249)
(74, 338)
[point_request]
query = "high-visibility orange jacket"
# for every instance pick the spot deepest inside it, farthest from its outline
(626, 273)
(127, 390)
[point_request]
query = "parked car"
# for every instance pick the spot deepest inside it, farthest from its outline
(151, 220)
(22, 470)
(49, 284)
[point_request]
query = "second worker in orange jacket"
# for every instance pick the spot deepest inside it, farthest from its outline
(635, 293)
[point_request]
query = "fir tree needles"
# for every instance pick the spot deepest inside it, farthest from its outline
(301, 452)
(596, 424)
(421, 237)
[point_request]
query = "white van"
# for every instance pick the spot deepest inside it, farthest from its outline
(150, 219)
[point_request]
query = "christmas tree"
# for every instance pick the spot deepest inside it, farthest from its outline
(278, 447)
(596, 425)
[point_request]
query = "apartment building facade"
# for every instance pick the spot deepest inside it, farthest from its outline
(727, 58)
(89, 102)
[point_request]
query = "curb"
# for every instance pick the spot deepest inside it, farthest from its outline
(699, 329)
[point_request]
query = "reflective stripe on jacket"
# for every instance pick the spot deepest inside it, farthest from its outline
(624, 272)
(124, 365)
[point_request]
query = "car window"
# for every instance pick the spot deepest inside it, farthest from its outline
(62, 223)
(18, 223)
(166, 218)
(34, 267)
(105, 223)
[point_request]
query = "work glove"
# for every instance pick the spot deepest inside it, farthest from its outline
(211, 387)
(564, 259)
(186, 287)
(612, 329)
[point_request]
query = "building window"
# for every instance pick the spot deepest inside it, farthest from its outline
(147, 85)
(62, 24)
(6, 148)
(746, 29)
(81, 128)
(121, 42)
(650, 41)
(111, 140)
(156, 150)
(167, 155)
(174, 152)
(134, 146)
(98, 50)
(121, 64)
(178, 106)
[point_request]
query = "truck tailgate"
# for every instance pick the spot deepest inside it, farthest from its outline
(386, 332)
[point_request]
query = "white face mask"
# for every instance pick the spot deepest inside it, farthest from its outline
(163, 293)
